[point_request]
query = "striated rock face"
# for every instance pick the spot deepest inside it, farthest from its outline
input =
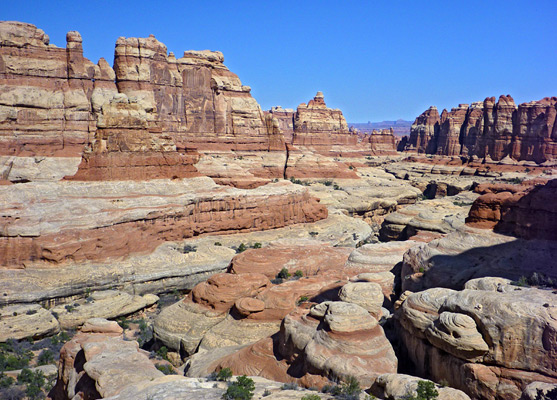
(105, 304)
(310, 257)
(242, 306)
(337, 340)
(525, 211)
(320, 133)
(23, 321)
(144, 119)
(473, 253)
(315, 117)
(285, 118)
(424, 132)
(44, 103)
(490, 129)
(438, 216)
(489, 343)
(71, 221)
(449, 131)
(383, 142)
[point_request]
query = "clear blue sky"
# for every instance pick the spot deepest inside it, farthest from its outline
(375, 60)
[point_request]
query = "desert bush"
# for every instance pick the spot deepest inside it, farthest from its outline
(45, 357)
(349, 390)
(145, 333)
(34, 382)
(298, 274)
(283, 274)
(12, 393)
(14, 355)
(162, 352)
(311, 397)
(165, 369)
(289, 386)
(241, 389)
(6, 381)
(425, 391)
(224, 375)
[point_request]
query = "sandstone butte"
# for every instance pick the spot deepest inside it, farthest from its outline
(489, 129)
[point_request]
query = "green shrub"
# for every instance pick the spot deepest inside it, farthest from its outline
(298, 274)
(45, 357)
(289, 386)
(218, 244)
(189, 249)
(283, 274)
(302, 299)
(123, 322)
(224, 375)
(162, 352)
(328, 183)
(241, 248)
(6, 381)
(145, 333)
(349, 390)
(311, 397)
(522, 281)
(256, 245)
(425, 391)
(514, 181)
(166, 369)
(14, 355)
(313, 233)
(242, 389)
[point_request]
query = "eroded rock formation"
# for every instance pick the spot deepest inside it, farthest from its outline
(528, 211)
(144, 119)
(490, 341)
(383, 142)
(79, 221)
(490, 129)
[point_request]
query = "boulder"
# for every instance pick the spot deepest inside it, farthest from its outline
(488, 343)
(20, 321)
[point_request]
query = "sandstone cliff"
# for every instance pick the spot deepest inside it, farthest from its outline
(527, 211)
(489, 129)
(382, 142)
(143, 119)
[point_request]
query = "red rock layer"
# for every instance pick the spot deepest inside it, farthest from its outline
(317, 125)
(489, 129)
(527, 211)
(45, 93)
(424, 132)
(151, 106)
(285, 118)
(382, 142)
(203, 215)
